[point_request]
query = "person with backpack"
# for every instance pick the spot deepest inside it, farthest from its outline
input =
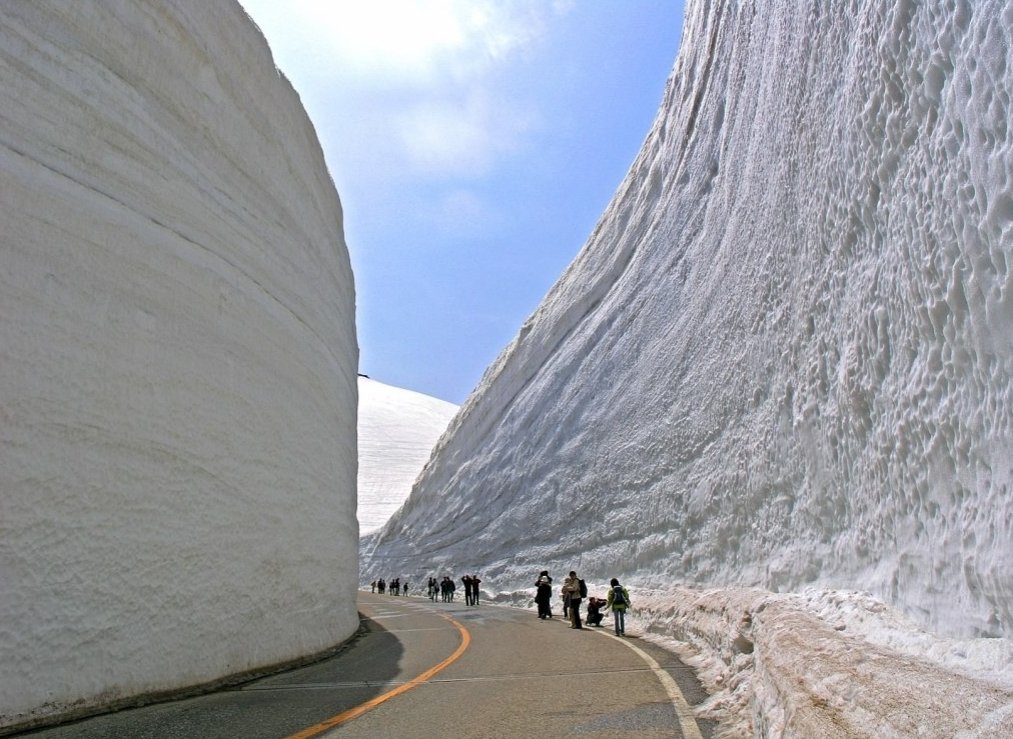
(576, 589)
(618, 601)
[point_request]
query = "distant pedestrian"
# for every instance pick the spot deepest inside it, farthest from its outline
(576, 588)
(381, 585)
(372, 586)
(466, 581)
(434, 589)
(618, 600)
(447, 589)
(543, 594)
(474, 589)
(404, 588)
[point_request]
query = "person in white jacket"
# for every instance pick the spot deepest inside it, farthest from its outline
(571, 586)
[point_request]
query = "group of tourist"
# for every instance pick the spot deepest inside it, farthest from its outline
(394, 587)
(573, 592)
(444, 589)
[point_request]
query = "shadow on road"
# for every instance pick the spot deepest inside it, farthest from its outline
(267, 707)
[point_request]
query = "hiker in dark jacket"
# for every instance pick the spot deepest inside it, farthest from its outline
(474, 589)
(594, 614)
(543, 594)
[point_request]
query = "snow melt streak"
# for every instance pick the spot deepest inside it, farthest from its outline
(178, 349)
(784, 357)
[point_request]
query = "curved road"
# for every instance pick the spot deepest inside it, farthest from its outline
(422, 669)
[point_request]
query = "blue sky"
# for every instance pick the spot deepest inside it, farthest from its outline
(474, 145)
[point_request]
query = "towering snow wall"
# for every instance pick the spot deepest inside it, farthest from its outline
(784, 357)
(177, 359)
(398, 429)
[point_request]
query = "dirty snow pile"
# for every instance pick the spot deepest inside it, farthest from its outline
(177, 359)
(830, 663)
(782, 361)
(820, 663)
(397, 432)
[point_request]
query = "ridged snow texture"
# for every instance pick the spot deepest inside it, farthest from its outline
(784, 357)
(177, 359)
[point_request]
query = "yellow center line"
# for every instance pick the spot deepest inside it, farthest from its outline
(369, 705)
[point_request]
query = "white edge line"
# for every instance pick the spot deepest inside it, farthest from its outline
(687, 722)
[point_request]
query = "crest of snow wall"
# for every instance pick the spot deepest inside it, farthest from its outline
(784, 357)
(178, 356)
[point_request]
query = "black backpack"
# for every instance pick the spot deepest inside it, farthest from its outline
(618, 599)
(583, 588)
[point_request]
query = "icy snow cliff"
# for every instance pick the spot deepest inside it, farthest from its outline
(177, 359)
(398, 429)
(784, 356)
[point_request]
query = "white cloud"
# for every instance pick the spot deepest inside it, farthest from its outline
(460, 138)
(398, 42)
(406, 83)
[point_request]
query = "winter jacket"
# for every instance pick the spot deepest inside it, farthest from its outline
(571, 588)
(612, 595)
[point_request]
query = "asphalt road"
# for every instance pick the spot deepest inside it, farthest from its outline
(422, 669)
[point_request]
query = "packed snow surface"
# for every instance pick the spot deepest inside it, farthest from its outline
(178, 354)
(783, 361)
(397, 432)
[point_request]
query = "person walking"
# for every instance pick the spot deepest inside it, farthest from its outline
(574, 586)
(543, 594)
(466, 581)
(474, 589)
(618, 601)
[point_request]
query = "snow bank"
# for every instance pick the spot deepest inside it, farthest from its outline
(397, 432)
(820, 663)
(784, 358)
(826, 663)
(178, 353)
